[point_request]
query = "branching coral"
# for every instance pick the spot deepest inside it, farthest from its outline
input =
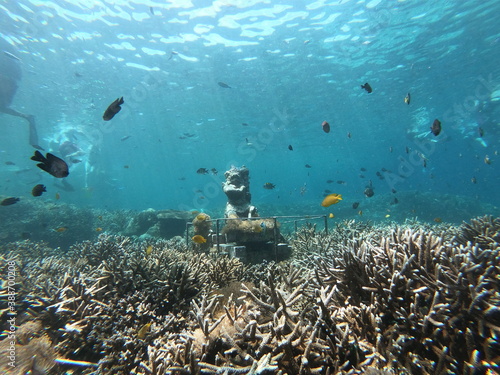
(406, 301)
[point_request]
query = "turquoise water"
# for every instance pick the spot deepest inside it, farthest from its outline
(290, 66)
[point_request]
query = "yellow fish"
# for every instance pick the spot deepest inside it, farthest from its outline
(199, 239)
(58, 196)
(61, 229)
(360, 213)
(143, 331)
(438, 220)
(99, 229)
(331, 216)
(149, 250)
(331, 199)
(386, 216)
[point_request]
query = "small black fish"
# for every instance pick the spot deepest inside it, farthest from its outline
(51, 164)
(481, 132)
(473, 180)
(395, 201)
(244, 124)
(75, 161)
(362, 169)
(38, 190)
(407, 150)
(407, 98)
(214, 171)
(355, 205)
(151, 11)
(290, 147)
(269, 186)
(369, 192)
(329, 181)
(224, 85)
(436, 127)
(10, 163)
(367, 87)
(340, 182)
(393, 191)
(202, 171)
(9, 201)
(307, 166)
(113, 109)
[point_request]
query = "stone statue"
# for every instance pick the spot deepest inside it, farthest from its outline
(237, 189)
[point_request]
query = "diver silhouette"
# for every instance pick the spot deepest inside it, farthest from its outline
(10, 75)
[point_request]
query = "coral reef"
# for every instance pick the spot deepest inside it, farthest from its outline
(256, 230)
(360, 300)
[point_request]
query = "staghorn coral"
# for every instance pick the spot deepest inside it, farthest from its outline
(484, 231)
(404, 301)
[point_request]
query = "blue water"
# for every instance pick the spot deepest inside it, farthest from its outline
(291, 65)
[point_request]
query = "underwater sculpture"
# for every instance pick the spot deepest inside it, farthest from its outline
(255, 239)
(10, 75)
(237, 189)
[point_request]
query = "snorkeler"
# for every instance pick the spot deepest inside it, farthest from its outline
(10, 75)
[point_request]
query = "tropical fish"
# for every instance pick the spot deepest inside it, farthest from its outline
(113, 109)
(369, 192)
(202, 171)
(125, 138)
(487, 160)
(438, 220)
(51, 164)
(367, 87)
(407, 98)
(143, 331)
(481, 132)
(224, 85)
(38, 190)
(214, 171)
(10, 163)
(360, 213)
(199, 239)
(149, 250)
(331, 199)
(436, 127)
(331, 216)
(355, 205)
(290, 147)
(9, 201)
(57, 196)
(326, 127)
(473, 180)
(307, 166)
(98, 229)
(61, 229)
(269, 186)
